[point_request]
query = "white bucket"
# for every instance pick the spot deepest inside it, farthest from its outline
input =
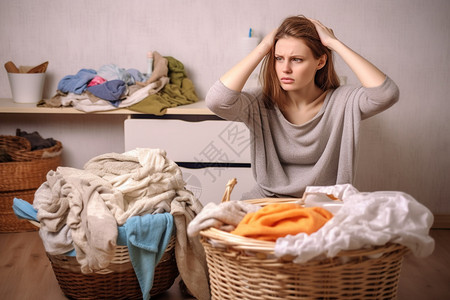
(26, 87)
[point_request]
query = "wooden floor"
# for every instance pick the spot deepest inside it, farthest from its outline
(25, 272)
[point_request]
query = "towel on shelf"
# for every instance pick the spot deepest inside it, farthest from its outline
(87, 102)
(76, 83)
(147, 239)
(160, 69)
(112, 90)
(280, 219)
(179, 91)
(112, 72)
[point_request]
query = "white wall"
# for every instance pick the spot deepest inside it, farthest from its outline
(406, 148)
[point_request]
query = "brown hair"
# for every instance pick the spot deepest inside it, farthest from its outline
(302, 28)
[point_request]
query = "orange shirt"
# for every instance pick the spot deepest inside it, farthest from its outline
(280, 219)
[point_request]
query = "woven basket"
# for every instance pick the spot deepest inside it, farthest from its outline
(245, 268)
(117, 281)
(21, 179)
(8, 219)
(11, 144)
(19, 149)
(24, 155)
(26, 175)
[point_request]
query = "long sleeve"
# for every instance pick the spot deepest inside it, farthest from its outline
(231, 105)
(379, 98)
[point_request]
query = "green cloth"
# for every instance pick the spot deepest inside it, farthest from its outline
(179, 91)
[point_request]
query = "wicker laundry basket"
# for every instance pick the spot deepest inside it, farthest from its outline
(22, 176)
(245, 268)
(117, 281)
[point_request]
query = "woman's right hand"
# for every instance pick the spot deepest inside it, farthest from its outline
(268, 40)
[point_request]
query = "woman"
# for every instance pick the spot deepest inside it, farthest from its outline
(304, 126)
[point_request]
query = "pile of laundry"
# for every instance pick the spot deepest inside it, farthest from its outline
(110, 87)
(327, 220)
(140, 193)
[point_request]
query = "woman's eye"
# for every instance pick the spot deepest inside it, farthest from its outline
(297, 59)
(278, 58)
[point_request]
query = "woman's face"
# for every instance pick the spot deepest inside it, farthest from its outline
(295, 64)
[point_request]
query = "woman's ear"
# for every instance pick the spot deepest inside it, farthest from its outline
(322, 61)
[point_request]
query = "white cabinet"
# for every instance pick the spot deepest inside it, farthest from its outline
(209, 150)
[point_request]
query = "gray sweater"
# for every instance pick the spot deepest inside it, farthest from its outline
(286, 158)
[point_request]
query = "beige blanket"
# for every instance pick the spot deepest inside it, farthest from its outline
(72, 201)
(112, 188)
(149, 182)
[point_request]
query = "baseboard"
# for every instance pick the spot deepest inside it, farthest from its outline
(441, 222)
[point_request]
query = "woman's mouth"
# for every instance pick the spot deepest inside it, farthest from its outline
(287, 80)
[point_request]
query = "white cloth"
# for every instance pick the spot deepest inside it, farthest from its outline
(147, 180)
(225, 216)
(365, 220)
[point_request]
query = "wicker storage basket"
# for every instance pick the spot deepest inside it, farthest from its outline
(25, 155)
(8, 220)
(22, 178)
(117, 281)
(244, 268)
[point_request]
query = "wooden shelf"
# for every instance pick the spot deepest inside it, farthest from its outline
(9, 106)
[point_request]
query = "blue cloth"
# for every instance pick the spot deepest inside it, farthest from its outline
(111, 90)
(24, 210)
(137, 75)
(113, 72)
(148, 237)
(76, 83)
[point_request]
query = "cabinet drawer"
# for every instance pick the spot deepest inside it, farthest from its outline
(215, 141)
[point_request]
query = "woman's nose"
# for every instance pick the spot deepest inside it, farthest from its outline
(287, 67)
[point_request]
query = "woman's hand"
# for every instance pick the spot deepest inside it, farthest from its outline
(368, 74)
(237, 76)
(268, 41)
(326, 34)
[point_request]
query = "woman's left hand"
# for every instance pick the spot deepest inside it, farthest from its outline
(326, 34)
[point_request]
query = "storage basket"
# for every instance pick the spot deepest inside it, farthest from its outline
(21, 179)
(26, 175)
(245, 268)
(24, 155)
(19, 148)
(117, 281)
(9, 222)
(11, 144)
